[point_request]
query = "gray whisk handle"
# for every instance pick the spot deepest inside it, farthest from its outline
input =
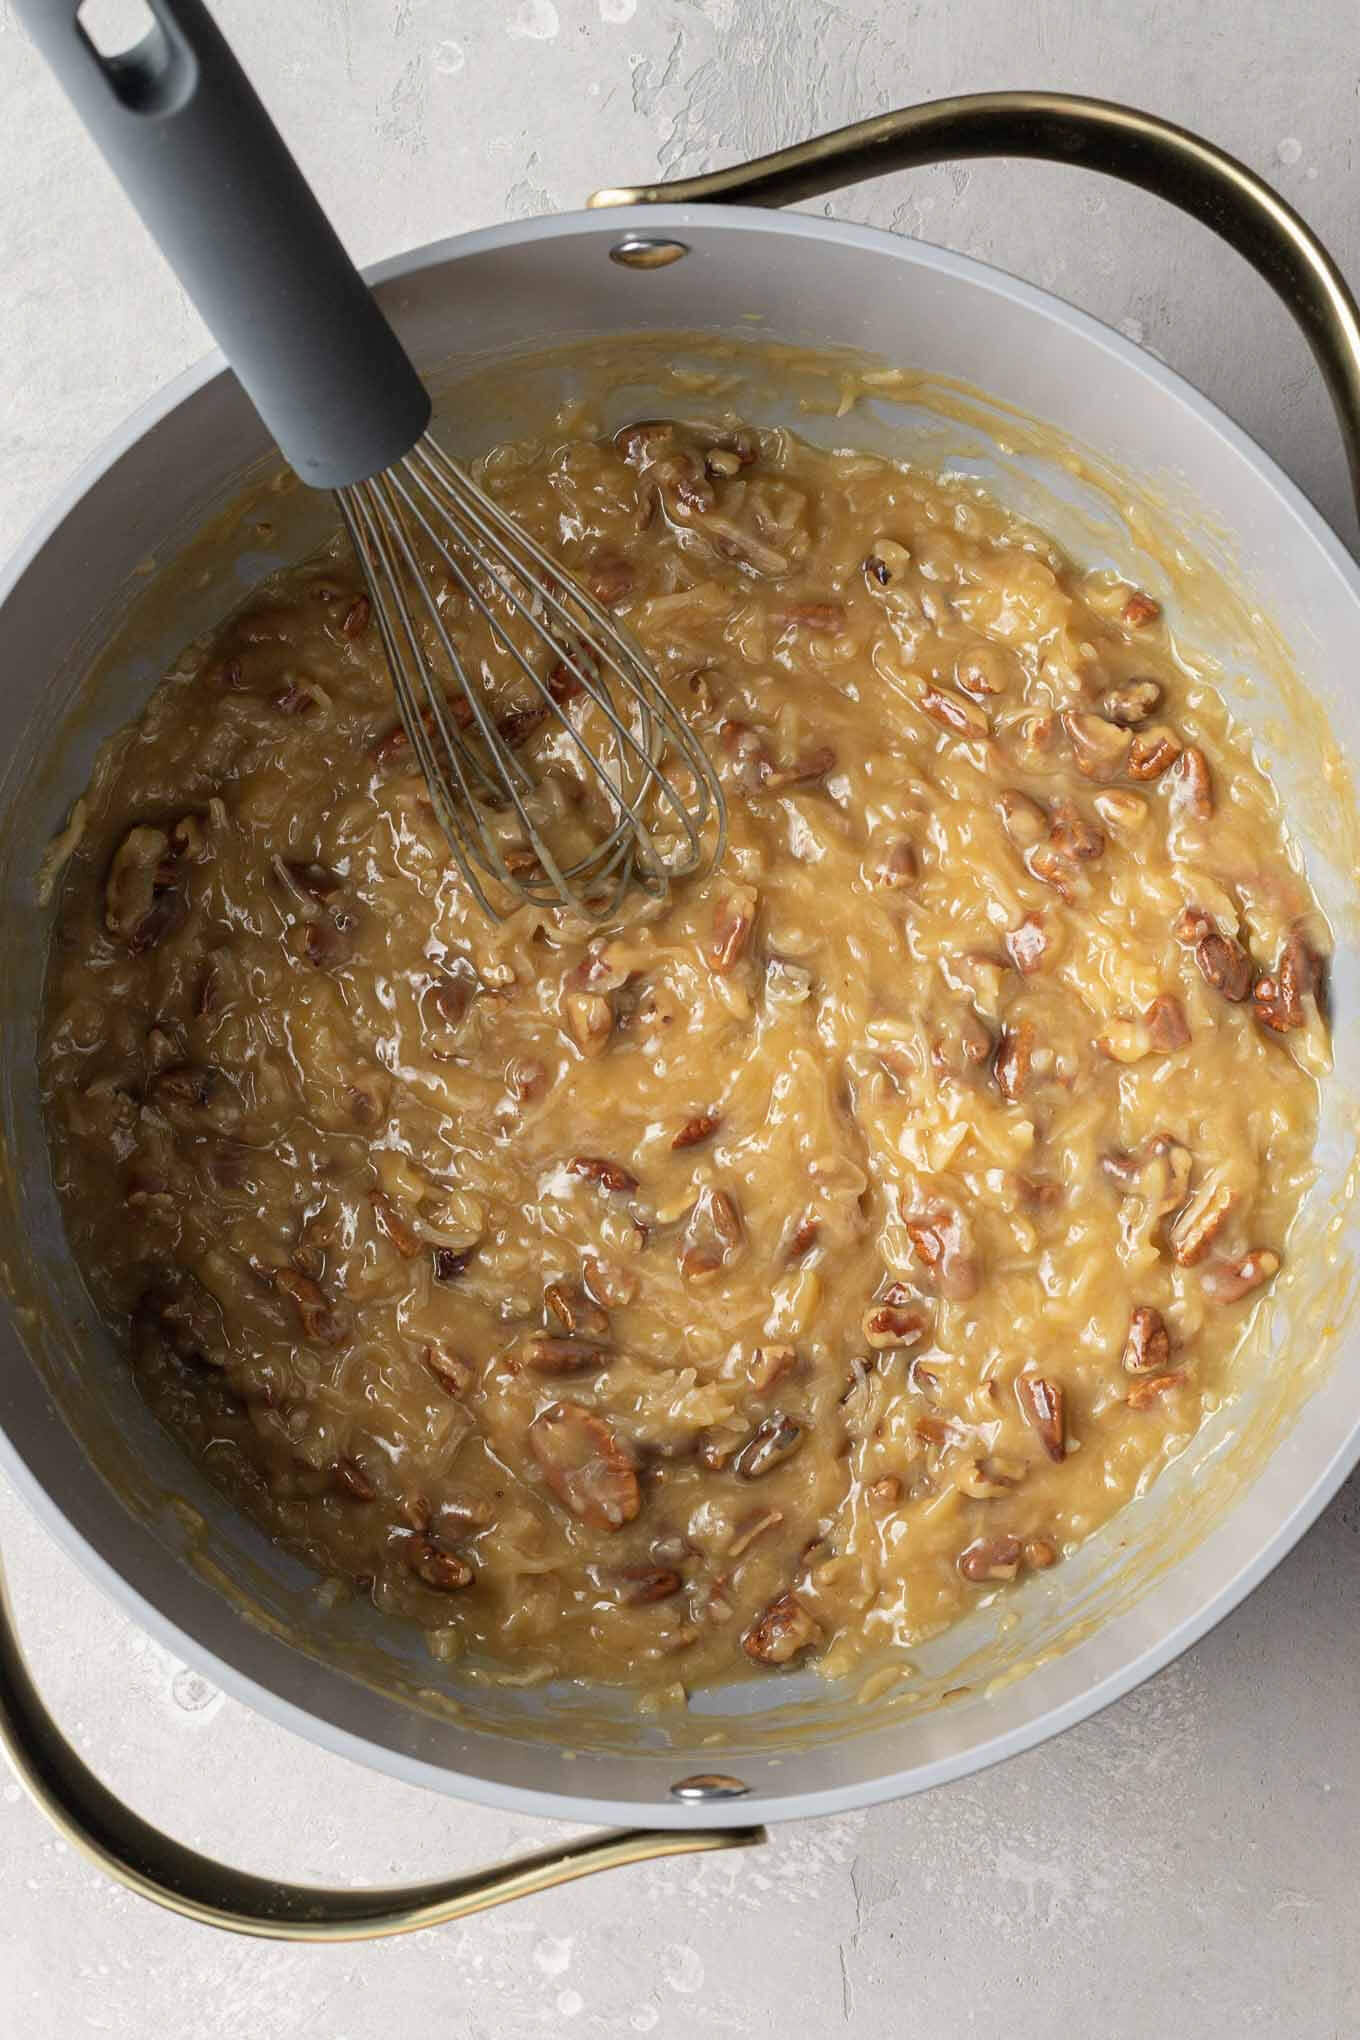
(181, 127)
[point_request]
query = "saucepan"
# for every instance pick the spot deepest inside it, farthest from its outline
(1065, 419)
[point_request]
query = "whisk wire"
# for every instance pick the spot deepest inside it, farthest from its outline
(489, 520)
(428, 511)
(481, 847)
(367, 534)
(605, 858)
(472, 848)
(645, 755)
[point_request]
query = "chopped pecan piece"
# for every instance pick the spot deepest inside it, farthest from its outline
(590, 1018)
(748, 751)
(769, 1365)
(1071, 835)
(1058, 868)
(804, 1237)
(1147, 1348)
(1225, 965)
(1144, 1394)
(990, 1558)
(1125, 1041)
(638, 1586)
(597, 971)
(1139, 611)
(773, 1441)
(608, 576)
(525, 1079)
(962, 1043)
(954, 712)
(698, 1129)
(450, 1263)
(189, 837)
(355, 620)
(813, 764)
(942, 1241)
(1166, 1174)
(1152, 751)
(195, 1098)
(733, 919)
(299, 699)
(1040, 1553)
(1166, 1024)
(685, 487)
(1229, 1281)
(885, 1493)
(585, 1466)
(574, 1310)
(1192, 784)
(897, 866)
(887, 562)
(1100, 749)
(823, 619)
(712, 1237)
(415, 1512)
(983, 671)
(454, 1375)
(641, 443)
(988, 1480)
(610, 1286)
(181, 1314)
(323, 943)
(392, 748)
(1022, 819)
(726, 1218)
(780, 1632)
(518, 724)
(1123, 1169)
(1014, 1060)
(897, 1323)
(1122, 811)
(393, 1226)
(751, 1527)
(1043, 1402)
(1278, 998)
(1191, 926)
(443, 1008)
(366, 1098)
(599, 1169)
(544, 1353)
(1034, 738)
(145, 1191)
(1131, 703)
(350, 1480)
(141, 900)
(315, 1315)
(1028, 944)
(435, 1567)
(1200, 1220)
(564, 682)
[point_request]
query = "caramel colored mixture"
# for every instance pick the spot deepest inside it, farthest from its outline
(767, 1279)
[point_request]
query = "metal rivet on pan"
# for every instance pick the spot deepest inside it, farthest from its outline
(647, 251)
(709, 1785)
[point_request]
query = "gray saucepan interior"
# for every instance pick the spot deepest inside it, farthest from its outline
(89, 598)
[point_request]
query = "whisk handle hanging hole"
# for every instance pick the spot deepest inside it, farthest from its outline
(181, 127)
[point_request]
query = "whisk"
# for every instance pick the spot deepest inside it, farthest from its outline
(180, 125)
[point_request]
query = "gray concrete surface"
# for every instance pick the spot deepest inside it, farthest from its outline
(1191, 1860)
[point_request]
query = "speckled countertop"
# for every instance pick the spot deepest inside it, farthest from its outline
(1189, 1861)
